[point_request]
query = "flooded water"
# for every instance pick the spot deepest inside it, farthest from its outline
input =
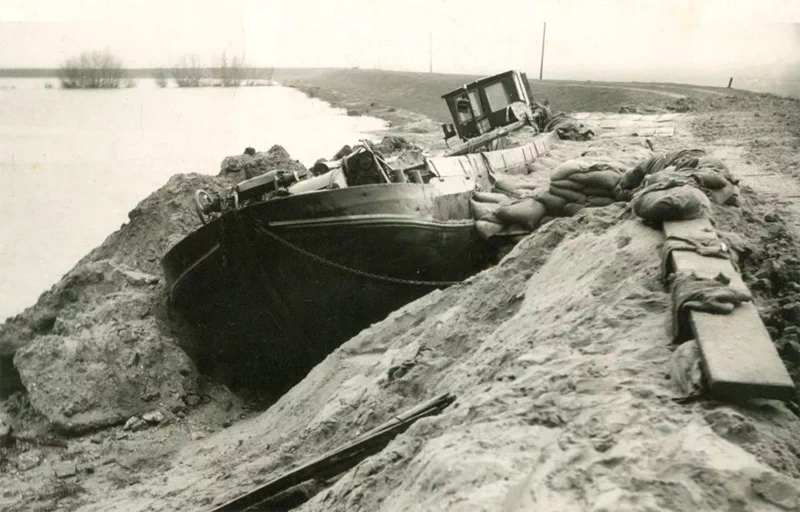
(74, 163)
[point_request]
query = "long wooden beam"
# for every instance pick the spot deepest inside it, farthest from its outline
(487, 137)
(340, 459)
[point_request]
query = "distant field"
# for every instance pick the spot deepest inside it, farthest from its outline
(421, 92)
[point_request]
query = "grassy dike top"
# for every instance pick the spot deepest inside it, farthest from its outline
(376, 92)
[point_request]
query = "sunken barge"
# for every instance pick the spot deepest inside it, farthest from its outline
(286, 268)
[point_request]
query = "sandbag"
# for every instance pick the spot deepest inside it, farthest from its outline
(685, 368)
(682, 202)
(487, 229)
(599, 192)
(569, 168)
(678, 159)
(711, 180)
(570, 195)
(536, 167)
(549, 162)
(690, 292)
(571, 209)
(482, 210)
(490, 197)
(729, 194)
(511, 185)
(600, 201)
(568, 184)
(607, 178)
(526, 212)
(552, 203)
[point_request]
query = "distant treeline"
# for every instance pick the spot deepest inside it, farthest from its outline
(211, 72)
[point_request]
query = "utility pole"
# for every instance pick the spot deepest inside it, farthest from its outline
(430, 52)
(541, 65)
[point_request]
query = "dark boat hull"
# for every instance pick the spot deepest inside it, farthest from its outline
(265, 309)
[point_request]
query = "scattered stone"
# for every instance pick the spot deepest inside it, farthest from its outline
(771, 218)
(5, 432)
(226, 423)
(197, 436)
(134, 423)
(98, 439)
(227, 404)
(792, 312)
(121, 436)
(65, 469)
(192, 400)
(28, 460)
(153, 417)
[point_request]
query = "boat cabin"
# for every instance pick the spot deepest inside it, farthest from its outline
(484, 104)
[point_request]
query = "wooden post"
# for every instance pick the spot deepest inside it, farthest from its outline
(730, 82)
(541, 64)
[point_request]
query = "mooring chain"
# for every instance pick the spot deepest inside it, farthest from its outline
(345, 268)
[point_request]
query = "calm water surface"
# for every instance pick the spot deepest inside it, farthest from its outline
(74, 163)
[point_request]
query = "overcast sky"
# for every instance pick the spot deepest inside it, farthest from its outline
(632, 40)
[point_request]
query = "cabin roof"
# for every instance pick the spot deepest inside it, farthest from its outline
(478, 83)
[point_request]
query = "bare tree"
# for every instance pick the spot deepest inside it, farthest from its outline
(231, 74)
(161, 78)
(188, 71)
(93, 70)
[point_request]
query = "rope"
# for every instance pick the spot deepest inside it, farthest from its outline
(436, 284)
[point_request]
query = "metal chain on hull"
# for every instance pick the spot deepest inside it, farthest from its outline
(434, 284)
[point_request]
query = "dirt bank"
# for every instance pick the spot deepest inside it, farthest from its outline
(558, 357)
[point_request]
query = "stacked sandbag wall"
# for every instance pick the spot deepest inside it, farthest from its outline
(671, 186)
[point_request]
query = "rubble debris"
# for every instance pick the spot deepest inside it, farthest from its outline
(134, 424)
(242, 167)
(153, 417)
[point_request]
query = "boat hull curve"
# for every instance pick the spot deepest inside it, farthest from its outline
(271, 289)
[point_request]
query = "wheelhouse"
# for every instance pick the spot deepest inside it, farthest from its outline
(483, 105)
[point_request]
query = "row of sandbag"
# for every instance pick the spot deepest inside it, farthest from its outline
(517, 207)
(679, 185)
(581, 182)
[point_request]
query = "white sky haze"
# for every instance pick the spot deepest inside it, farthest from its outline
(586, 40)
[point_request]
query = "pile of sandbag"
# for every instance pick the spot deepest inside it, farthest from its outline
(566, 127)
(710, 173)
(578, 183)
(498, 215)
(678, 185)
(670, 197)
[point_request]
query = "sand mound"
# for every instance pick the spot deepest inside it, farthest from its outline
(97, 347)
(559, 359)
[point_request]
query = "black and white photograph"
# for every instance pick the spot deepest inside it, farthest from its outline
(415, 255)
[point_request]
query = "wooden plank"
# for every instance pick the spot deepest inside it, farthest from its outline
(739, 356)
(740, 359)
(707, 267)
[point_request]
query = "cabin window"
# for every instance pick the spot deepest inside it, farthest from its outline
(475, 101)
(497, 96)
(462, 107)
